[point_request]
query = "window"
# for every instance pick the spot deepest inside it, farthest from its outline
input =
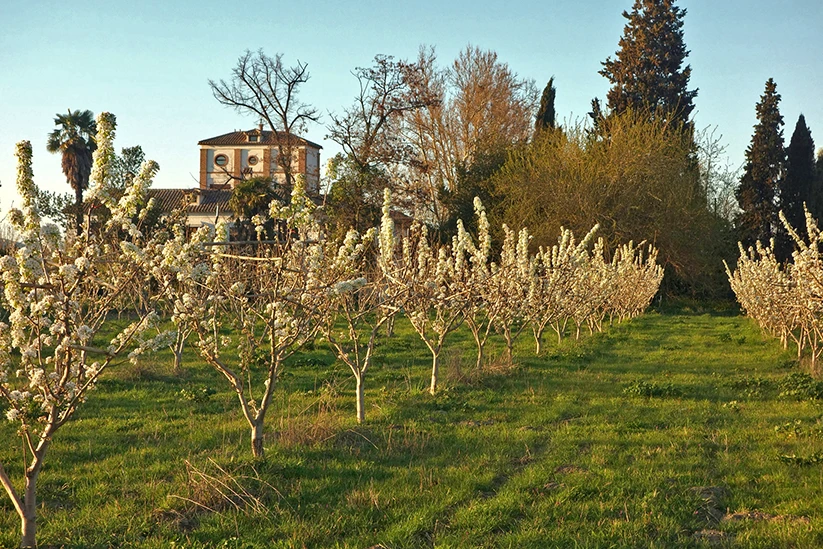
(221, 160)
(252, 160)
(254, 138)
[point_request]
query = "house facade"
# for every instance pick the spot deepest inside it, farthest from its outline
(230, 157)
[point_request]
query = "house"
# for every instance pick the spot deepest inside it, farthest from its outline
(239, 155)
(234, 156)
(254, 153)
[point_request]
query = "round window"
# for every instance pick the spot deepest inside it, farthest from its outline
(252, 160)
(221, 160)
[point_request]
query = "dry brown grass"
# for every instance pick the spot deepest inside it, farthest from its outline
(313, 424)
(459, 371)
(215, 489)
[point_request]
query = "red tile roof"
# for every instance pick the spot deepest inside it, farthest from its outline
(211, 200)
(241, 138)
(174, 199)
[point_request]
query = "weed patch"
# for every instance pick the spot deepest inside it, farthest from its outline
(213, 488)
(650, 389)
(793, 459)
(198, 394)
(798, 429)
(800, 386)
(752, 387)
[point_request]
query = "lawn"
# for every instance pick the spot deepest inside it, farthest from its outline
(684, 428)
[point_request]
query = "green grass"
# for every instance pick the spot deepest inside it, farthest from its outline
(648, 435)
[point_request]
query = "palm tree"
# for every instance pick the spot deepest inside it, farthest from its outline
(74, 138)
(248, 198)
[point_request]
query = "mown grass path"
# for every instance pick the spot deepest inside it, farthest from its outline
(667, 431)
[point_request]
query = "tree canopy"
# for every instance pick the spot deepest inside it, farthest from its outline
(763, 172)
(641, 183)
(647, 73)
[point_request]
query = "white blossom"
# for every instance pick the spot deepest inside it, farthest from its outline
(348, 286)
(84, 333)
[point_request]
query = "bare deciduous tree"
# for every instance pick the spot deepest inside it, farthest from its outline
(478, 103)
(265, 87)
(375, 151)
(369, 131)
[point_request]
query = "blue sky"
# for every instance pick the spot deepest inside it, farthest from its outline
(149, 61)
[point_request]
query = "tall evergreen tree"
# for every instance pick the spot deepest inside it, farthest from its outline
(800, 184)
(816, 204)
(765, 159)
(546, 115)
(819, 163)
(648, 72)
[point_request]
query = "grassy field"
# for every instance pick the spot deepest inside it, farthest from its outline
(679, 429)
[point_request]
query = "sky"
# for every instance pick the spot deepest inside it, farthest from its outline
(149, 63)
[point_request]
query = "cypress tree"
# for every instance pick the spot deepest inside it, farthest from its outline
(597, 115)
(648, 72)
(800, 184)
(762, 175)
(546, 113)
(816, 204)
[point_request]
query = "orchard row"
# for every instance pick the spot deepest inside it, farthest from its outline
(785, 299)
(249, 307)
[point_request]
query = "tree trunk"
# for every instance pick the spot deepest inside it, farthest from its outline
(257, 439)
(475, 330)
(557, 330)
(179, 343)
(177, 369)
(29, 515)
(538, 341)
(29, 518)
(27, 507)
(507, 334)
(435, 371)
(78, 206)
(361, 410)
